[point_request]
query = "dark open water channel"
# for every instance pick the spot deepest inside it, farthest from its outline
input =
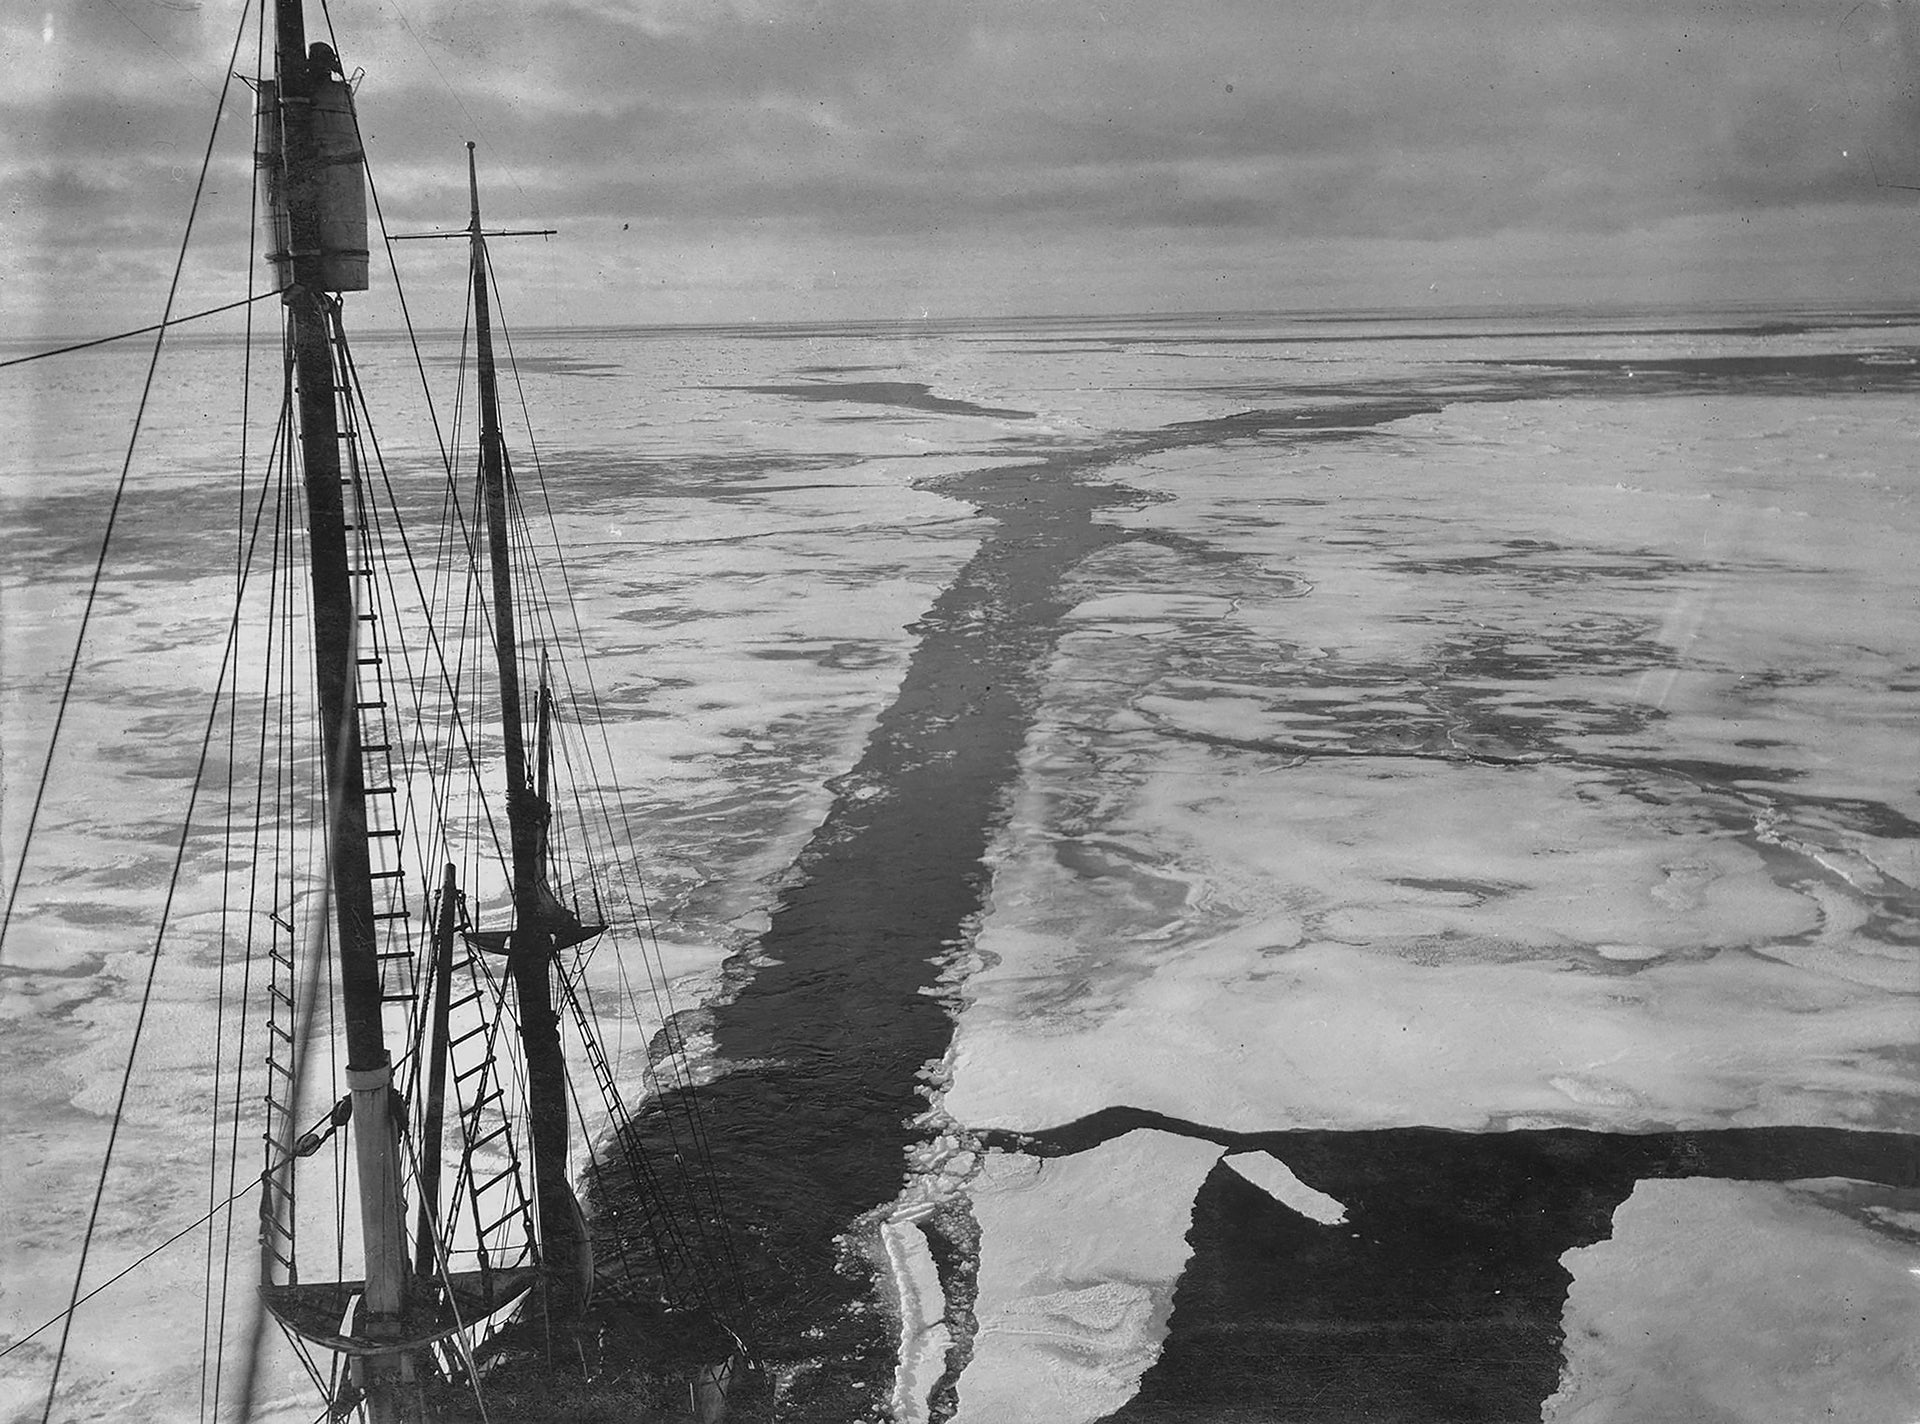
(1443, 1300)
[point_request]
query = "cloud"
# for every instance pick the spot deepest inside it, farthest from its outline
(1321, 119)
(1109, 126)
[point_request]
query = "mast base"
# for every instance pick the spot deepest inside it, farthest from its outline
(320, 1311)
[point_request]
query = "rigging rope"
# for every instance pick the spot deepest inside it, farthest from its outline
(640, 915)
(142, 330)
(434, 644)
(461, 1346)
(66, 693)
(309, 1000)
(473, 124)
(130, 1268)
(217, 1327)
(113, 509)
(227, 661)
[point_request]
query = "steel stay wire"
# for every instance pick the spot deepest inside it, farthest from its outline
(641, 914)
(141, 330)
(153, 968)
(130, 1268)
(644, 917)
(119, 494)
(218, 1327)
(133, 1265)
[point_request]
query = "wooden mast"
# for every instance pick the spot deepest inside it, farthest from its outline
(530, 948)
(310, 309)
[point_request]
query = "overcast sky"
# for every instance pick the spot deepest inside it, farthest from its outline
(716, 161)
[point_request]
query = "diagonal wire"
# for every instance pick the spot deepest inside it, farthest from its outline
(131, 1267)
(243, 556)
(146, 993)
(119, 497)
(119, 494)
(138, 330)
(642, 914)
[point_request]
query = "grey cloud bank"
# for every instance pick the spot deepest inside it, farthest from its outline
(859, 158)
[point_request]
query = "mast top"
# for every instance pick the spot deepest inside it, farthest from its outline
(473, 228)
(473, 189)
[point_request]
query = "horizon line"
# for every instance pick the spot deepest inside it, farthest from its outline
(1332, 313)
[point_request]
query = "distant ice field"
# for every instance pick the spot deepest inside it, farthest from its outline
(1556, 697)
(1493, 723)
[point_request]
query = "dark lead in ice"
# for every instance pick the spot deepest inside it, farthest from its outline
(1443, 1297)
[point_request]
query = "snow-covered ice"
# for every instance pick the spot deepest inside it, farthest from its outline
(1538, 756)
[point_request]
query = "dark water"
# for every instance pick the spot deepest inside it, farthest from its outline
(834, 1018)
(1444, 1299)
(905, 395)
(1440, 1297)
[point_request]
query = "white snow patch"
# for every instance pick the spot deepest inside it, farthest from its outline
(1276, 1179)
(1078, 1259)
(1329, 1035)
(924, 1338)
(1739, 1302)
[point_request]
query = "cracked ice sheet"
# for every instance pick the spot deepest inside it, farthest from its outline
(1257, 877)
(1255, 947)
(740, 668)
(1762, 548)
(1740, 1301)
(1079, 1257)
(1526, 764)
(1078, 1260)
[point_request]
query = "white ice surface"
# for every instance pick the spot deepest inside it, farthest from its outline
(1285, 854)
(1277, 1180)
(1283, 972)
(1396, 818)
(922, 1310)
(746, 596)
(1291, 923)
(1739, 1301)
(1078, 1258)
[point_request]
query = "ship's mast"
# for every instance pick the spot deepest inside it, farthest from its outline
(311, 308)
(530, 948)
